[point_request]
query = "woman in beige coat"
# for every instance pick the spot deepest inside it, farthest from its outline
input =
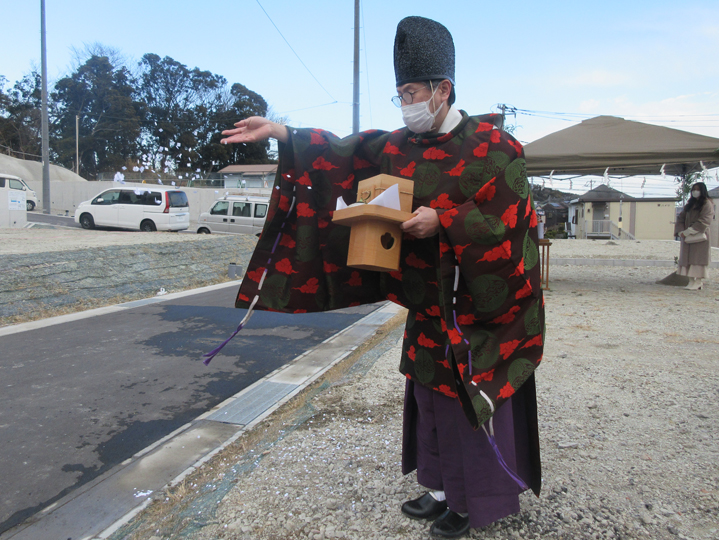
(695, 217)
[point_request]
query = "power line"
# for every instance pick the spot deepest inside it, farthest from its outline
(295, 52)
(709, 119)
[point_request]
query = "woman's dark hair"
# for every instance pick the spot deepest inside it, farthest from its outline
(698, 202)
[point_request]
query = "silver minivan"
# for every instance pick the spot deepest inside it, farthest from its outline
(147, 209)
(235, 214)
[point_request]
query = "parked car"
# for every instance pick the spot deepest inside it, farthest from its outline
(235, 214)
(15, 182)
(147, 209)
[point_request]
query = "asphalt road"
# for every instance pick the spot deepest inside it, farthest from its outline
(81, 397)
(49, 219)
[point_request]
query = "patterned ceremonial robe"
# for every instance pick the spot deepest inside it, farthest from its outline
(476, 316)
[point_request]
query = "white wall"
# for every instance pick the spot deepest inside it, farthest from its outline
(13, 214)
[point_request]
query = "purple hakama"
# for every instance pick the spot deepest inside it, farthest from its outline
(449, 455)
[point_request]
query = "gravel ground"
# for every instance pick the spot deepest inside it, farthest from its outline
(39, 240)
(664, 250)
(629, 423)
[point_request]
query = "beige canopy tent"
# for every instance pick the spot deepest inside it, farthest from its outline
(624, 146)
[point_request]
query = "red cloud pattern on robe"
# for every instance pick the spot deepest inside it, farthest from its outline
(321, 164)
(424, 282)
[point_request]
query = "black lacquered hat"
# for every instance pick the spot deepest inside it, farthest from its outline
(423, 50)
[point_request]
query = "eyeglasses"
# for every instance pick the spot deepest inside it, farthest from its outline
(407, 97)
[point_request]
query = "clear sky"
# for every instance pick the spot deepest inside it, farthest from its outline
(557, 62)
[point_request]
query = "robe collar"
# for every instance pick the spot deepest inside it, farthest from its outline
(450, 122)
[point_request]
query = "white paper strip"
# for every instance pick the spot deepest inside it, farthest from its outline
(388, 199)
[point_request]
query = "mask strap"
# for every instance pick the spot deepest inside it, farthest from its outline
(436, 109)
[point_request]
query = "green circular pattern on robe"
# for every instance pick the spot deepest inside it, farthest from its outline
(377, 144)
(458, 139)
(411, 319)
(275, 293)
(307, 249)
(469, 129)
(471, 179)
(424, 366)
(485, 349)
(339, 240)
(519, 371)
(530, 252)
(334, 288)
(344, 147)
(340, 236)
(532, 323)
(301, 139)
(481, 408)
(413, 286)
(516, 177)
(488, 292)
(497, 162)
(426, 179)
(482, 228)
(321, 295)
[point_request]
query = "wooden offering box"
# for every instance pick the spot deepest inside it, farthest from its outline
(375, 238)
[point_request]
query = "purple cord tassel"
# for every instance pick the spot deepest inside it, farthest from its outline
(504, 465)
(454, 313)
(210, 355)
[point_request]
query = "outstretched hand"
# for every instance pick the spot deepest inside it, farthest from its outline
(424, 224)
(255, 129)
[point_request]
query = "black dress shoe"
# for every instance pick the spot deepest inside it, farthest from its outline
(425, 507)
(450, 525)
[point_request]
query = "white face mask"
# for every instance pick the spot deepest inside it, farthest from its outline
(417, 116)
(696, 194)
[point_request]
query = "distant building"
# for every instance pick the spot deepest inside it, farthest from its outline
(249, 176)
(607, 213)
(556, 215)
(254, 179)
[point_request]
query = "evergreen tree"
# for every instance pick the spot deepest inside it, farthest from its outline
(20, 122)
(102, 96)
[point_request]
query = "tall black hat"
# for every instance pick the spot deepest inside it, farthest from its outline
(423, 50)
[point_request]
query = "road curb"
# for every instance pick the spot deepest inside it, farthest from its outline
(103, 506)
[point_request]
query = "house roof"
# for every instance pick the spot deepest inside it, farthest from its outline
(250, 169)
(604, 193)
(555, 206)
(714, 193)
(625, 147)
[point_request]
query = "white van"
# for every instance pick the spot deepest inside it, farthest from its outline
(15, 182)
(235, 214)
(145, 208)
